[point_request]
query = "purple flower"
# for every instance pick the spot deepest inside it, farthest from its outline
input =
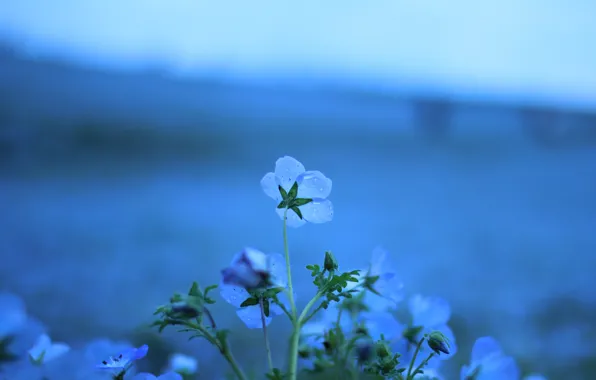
(488, 362)
(122, 362)
(251, 272)
(311, 185)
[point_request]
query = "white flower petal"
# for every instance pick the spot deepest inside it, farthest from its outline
(293, 220)
(258, 259)
(270, 186)
(313, 184)
(287, 170)
(55, 351)
(251, 316)
(318, 211)
(233, 295)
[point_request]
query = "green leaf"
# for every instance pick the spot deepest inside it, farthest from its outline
(300, 202)
(282, 204)
(297, 211)
(266, 307)
(283, 192)
(250, 302)
(293, 191)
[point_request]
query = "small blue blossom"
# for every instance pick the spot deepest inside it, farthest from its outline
(433, 313)
(165, 376)
(123, 361)
(183, 364)
(45, 350)
(248, 266)
(488, 362)
(311, 185)
(388, 284)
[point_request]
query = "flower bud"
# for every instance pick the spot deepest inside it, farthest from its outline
(438, 342)
(364, 351)
(382, 349)
(330, 262)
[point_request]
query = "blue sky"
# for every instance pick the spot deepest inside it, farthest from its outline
(526, 49)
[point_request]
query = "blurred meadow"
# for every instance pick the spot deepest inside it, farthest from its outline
(121, 183)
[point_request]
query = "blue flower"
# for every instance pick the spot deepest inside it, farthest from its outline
(311, 185)
(432, 314)
(388, 284)
(488, 362)
(123, 361)
(12, 315)
(183, 364)
(253, 271)
(165, 376)
(45, 350)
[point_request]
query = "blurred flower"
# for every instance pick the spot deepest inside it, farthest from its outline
(432, 314)
(165, 376)
(12, 314)
(387, 289)
(44, 350)
(123, 361)
(488, 362)
(260, 272)
(251, 269)
(535, 376)
(311, 185)
(183, 364)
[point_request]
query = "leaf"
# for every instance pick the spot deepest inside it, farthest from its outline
(250, 302)
(300, 202)
(283, 192)
(297, 211)
(266, 307)
(209, 288)
(283, 204)
(293, 192)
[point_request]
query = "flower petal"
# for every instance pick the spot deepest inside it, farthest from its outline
(382, 323)
(293, 220)
(277, 270)
(318, 211)
(485, 347)
(429, 311)
(313, 184)
(183, 363)
(139, 353)
(234, 295)
(270, 186)
(287, 170)
(12, 314)
(251, 316)
(42, 344)
(55, 351)
(144, 376)
(170, 376)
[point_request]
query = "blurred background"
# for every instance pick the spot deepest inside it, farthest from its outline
(460, 136)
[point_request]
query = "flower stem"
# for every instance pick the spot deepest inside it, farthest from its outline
(294, 340)
(424, 362)
(264, 322)
(223, 348)
(418, 346)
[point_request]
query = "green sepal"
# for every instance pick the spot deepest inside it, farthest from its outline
(252, 301)
(297, 211)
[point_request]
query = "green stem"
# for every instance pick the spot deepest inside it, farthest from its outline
(224, 349)
(264, 322)
(424, 362)
(418, 346)
(295, 339)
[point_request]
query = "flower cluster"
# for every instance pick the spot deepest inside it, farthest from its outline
(28, 353)
(358, 321)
